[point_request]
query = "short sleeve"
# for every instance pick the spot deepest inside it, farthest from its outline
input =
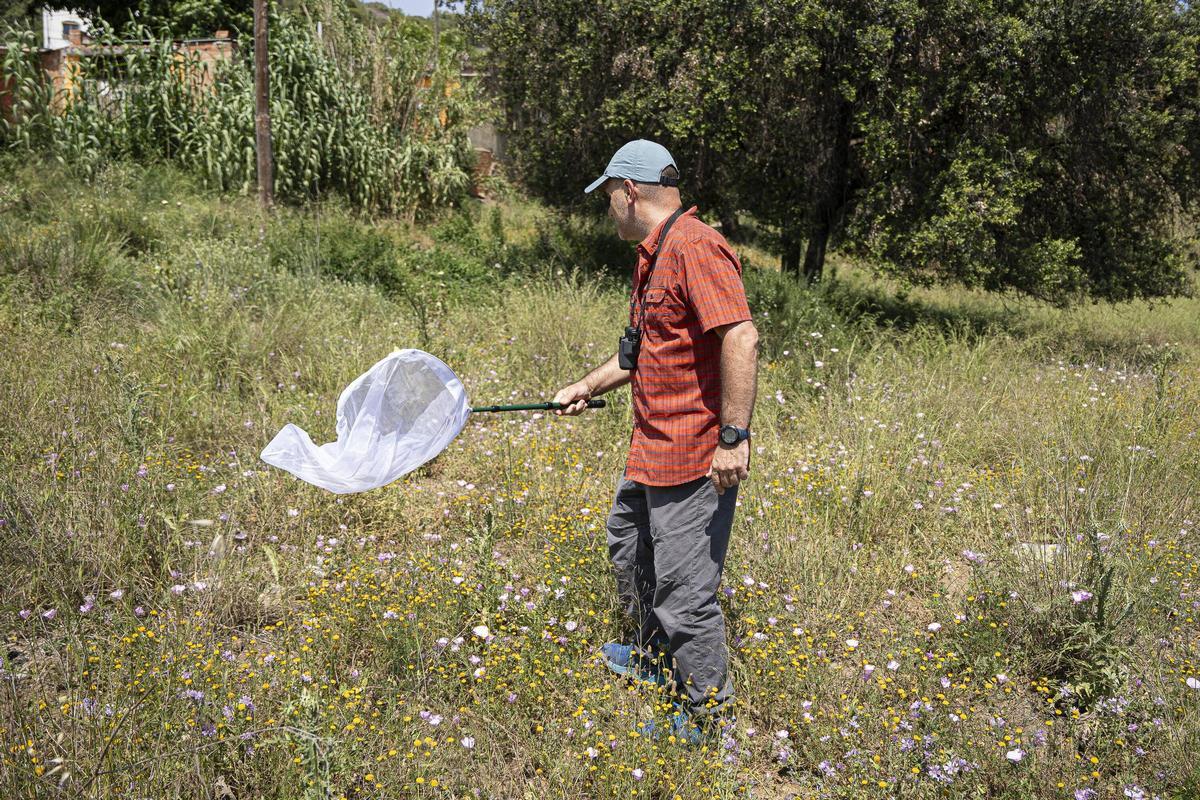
(712, 282)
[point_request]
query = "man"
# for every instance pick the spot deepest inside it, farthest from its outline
(691, 358)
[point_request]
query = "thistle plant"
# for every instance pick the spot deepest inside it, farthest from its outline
(1072, 621)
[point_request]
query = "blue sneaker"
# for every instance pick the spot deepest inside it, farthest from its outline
(625, 659)
(681, 726)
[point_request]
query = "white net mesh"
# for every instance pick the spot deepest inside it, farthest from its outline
(392, 419)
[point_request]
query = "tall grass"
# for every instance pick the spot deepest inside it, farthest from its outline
(937, 483)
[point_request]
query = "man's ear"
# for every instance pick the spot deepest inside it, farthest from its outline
(631, 190)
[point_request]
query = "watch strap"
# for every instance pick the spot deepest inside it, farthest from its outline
(742, 433)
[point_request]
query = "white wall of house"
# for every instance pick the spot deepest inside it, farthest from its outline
(487, 137)
(54, 36)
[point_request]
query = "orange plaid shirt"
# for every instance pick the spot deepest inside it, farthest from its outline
(696, 286)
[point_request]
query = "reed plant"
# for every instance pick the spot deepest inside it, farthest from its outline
(371, 115)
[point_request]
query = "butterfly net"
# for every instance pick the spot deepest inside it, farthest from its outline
(392, 419)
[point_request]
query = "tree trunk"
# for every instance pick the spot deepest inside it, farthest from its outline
(789, 264)
(730, 227)
(814, 255)
(830, 193)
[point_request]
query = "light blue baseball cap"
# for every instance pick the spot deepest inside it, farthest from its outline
(641, 160)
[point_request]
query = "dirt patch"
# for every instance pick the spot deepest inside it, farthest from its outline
(956, 579)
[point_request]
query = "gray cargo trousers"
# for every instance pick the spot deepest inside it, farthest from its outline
(668, 545)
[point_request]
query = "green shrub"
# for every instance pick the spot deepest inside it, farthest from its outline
(461, 231)
(791, 311)
(587, 241)
(58, 271)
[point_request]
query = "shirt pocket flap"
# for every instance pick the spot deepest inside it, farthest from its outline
(656, 295)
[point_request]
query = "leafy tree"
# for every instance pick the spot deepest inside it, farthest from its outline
(1035, 146)
(18, 10)
(1005, 144)
(184, 18)
(1186, 99)
(580, 78)
(825, 65)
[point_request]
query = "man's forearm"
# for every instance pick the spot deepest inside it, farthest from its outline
(739, 377)
(606, 377)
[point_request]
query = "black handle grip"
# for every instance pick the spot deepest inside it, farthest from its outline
(598, 403)
(535, 407)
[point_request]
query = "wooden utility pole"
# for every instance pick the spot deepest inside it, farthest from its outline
(262, 108)
(437, 50)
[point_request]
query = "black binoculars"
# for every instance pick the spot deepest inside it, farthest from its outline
(628, 348)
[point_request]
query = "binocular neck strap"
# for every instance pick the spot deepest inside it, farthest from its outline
(640, 305)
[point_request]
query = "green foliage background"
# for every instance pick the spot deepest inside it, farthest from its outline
(1049, 148)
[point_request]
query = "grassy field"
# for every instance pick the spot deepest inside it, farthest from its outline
(964, 566)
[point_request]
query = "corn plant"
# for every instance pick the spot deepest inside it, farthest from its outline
(25, 93)
(348, 112)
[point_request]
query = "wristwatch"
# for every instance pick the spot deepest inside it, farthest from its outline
(731, 434)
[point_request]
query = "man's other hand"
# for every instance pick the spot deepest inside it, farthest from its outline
(574, 399)
(730, 465)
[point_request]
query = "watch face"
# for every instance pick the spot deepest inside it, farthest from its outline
(729, 436)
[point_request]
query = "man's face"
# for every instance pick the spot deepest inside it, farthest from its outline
(621, 208)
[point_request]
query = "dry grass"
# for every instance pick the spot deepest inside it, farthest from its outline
(254, 636)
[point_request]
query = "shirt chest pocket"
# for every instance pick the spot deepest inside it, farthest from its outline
(665, 313)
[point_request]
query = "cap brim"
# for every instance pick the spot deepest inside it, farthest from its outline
(596, 184)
